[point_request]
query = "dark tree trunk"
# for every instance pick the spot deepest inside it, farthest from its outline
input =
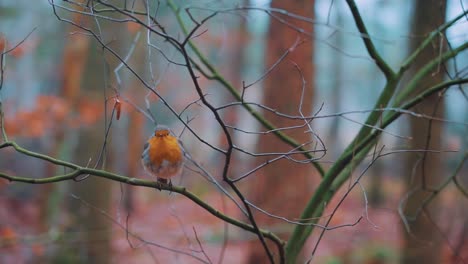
(283, 187)
(423, 244)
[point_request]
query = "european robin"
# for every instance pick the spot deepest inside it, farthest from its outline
(163, 155)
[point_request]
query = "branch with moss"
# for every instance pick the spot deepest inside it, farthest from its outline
(427, 41)
(371, 140)
(379, 61)
(343, 167)
(365, 139)
(424, 71)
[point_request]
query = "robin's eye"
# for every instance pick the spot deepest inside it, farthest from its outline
(162, 133)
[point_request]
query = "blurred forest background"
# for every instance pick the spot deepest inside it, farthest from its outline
(61, 91)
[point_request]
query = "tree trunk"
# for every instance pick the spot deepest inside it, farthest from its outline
(282, 187)
(94, 228)
(423, 244)
(87, 226)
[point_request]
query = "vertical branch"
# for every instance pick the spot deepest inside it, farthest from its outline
(2, 115)
(379, 61)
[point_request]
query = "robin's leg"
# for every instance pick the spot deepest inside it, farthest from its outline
(170, 185)
(161, 180)
(165, 181)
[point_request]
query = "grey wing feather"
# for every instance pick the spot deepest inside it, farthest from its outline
(145, 150)
(186, 154)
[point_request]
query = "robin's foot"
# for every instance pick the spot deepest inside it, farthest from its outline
(170, 185)
(165, 182)
(160, 182)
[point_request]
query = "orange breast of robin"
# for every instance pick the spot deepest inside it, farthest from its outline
(164, 148)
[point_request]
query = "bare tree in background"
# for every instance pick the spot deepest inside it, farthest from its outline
(424, 170)
(287, 89)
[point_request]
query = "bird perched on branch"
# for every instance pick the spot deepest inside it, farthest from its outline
(163, 155)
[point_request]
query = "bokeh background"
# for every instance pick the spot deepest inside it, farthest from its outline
(59, 94)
